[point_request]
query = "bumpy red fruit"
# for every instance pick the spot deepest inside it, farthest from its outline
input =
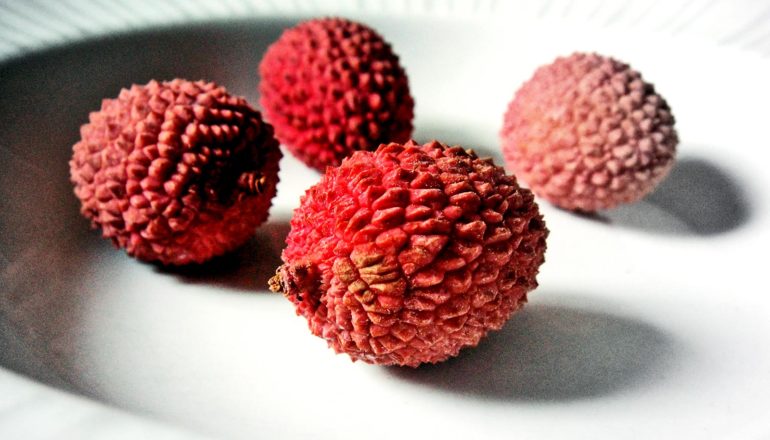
(331, 87)
(587, 133)
(408, 254)
(176, 172)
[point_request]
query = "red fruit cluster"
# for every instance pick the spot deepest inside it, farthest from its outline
(331, 87)
(407, 254)
(176, 172)
(587, 133)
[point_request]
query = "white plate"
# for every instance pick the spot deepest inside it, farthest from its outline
(651, 320)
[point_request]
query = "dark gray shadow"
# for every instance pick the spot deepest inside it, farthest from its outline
(553, 353)
(246, 269)
(697, 198)
(227, 52)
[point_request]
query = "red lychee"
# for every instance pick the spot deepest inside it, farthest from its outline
(333, 86)
(176, 172)
(409, 253)
(587, 133)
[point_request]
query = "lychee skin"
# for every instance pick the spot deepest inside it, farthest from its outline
(587, 133)
(175, 172)
(331, 87)
(407, 254)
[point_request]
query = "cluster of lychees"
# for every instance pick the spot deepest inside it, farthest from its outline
(402, 253)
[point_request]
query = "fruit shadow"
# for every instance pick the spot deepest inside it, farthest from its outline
(698, 198)
(246, 269)
(551, 352)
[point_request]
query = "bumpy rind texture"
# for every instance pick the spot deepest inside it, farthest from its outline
(176, 172)
(587, 133)
(333, 86)
(410, 253)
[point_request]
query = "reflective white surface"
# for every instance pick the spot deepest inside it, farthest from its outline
(651, 320)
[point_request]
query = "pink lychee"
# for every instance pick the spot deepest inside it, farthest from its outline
(586, 132)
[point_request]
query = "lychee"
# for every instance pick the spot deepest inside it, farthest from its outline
(407, 254)
(331, 87)
(588, 133)
(176, 172)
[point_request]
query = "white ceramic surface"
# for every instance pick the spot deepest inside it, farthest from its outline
(651, 320)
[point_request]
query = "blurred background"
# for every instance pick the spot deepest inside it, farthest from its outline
(31, 24)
